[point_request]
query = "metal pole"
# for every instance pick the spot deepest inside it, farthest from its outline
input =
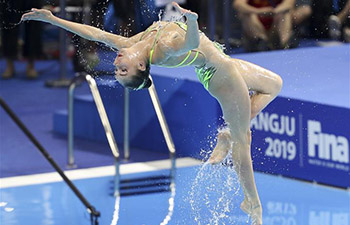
(62, 81)
(103, 116)
(126, 124)
(211, 18)
(71, 126)
(108, 130)
(94, 214)
(104, 119)
(163, 124)
(117, 178)
(63, 40)
(227, 25)
(173, 166)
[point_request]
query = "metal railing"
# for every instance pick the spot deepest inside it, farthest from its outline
(108, 130)
(163, 124)
(161, 118)
(94, 214)
(104, 119)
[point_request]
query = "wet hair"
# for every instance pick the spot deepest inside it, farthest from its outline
(141, 80)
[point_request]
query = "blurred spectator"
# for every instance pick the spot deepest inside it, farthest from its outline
(92, 13)
(340, 22)
(135, 16)
(11, 12)
(125, 13)
(301, 13)
(322, 11)
(268, 24)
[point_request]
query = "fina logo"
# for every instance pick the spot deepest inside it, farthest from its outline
(329, 146)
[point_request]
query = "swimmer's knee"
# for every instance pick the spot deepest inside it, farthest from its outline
(277, 85)
(241, 139)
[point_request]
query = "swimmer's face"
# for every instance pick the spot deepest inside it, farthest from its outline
(127, 65)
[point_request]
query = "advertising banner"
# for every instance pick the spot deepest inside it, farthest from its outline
(303, 140)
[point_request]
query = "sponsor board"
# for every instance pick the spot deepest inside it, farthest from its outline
(299, 212)
(303, 140)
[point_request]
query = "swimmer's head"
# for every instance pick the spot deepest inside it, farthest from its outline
(132, 70)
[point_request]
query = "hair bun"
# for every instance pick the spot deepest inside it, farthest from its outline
(148, 83)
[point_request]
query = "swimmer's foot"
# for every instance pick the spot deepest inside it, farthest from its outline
(255, 212)
(222, 147)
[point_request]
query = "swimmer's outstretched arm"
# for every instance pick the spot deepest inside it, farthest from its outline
(85, 31)
(191, 40)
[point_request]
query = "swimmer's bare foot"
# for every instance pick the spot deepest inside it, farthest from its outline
(222, 147)
(255, 212)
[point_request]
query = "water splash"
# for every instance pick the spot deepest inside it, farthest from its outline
(9, 9)
(107, 82)
(215, 194)
(160, 14)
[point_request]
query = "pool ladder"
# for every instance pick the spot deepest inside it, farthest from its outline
(107, 127)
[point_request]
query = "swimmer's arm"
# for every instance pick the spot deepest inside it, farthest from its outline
(191, 40)
(93, 34)
(84, 31)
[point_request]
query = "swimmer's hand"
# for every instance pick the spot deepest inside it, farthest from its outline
(38, 15)
(187, 13)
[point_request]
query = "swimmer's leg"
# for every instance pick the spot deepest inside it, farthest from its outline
(265, 83)
(241, 155)
(232, 94)
(258, 101)
(223, 145)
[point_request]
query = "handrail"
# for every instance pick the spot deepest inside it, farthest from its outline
(169, 141)
(163, 124)
(94, 214)
(71, 125)
(104, 119)
(103, 115)
(162, 121)
(108, 130)
(126, 124)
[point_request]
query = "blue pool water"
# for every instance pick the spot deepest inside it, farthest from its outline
(204, 195)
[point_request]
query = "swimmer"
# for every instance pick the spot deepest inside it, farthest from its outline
(175, 44)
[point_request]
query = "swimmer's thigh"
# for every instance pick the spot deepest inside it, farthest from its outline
(232, 93)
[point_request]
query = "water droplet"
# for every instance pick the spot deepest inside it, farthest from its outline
(9, 209)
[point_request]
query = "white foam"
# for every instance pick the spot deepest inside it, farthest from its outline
(214, 194)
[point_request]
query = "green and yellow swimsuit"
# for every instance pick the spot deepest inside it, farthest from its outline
(203, 72)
